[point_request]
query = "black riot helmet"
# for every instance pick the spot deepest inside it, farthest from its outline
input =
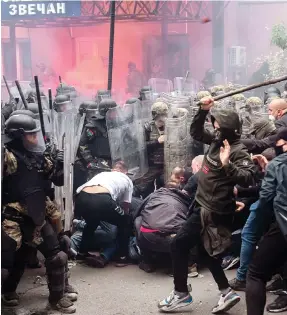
(105, 105)
(92, 113)
(271, 92)
(24, 112)
(21, 124)
(33, 107)
(25, 128)
(145, 93)
(102, 94)
(84, 106)
(62, 103)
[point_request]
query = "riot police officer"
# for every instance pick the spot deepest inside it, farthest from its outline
(29, 218)
(94, 153)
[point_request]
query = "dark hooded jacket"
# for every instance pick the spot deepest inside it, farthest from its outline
(216, 182)
(164, 210)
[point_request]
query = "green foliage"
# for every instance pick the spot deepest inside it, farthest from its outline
(279, 36)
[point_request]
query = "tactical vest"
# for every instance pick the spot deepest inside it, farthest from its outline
(157, 156)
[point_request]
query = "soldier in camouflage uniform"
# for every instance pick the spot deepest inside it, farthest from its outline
(154, 131)
(94, 153)
(29, 218)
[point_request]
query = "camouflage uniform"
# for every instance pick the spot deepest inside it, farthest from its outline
(155, 152)
(24, 227)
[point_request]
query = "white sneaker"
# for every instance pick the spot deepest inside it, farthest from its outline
(173, 301)
(226, 302)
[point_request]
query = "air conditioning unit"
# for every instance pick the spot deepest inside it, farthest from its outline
(237, 56)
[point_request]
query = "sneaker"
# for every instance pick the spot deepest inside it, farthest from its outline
(229, 262)
(123, 262)
(276, 286)
(192, 271)
(279, 305)
(96, 261)
(71, 293)
(10, 299)
(226, 302)
(237, 285)
(64, 306)
(173, 302)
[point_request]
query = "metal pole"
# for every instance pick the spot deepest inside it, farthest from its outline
(111, 48)
(39, 105)
(21, 94)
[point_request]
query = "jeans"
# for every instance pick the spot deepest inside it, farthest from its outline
(249, 238)
(95, 208)
(104, 239)
(187, 238)
(271, 254)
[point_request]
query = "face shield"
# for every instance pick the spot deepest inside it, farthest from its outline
(65, 106)
(93, 115)
(33, 140)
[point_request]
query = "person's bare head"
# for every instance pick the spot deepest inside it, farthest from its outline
(277, 108)
(197, 163)
(120, 167)
(177, 175)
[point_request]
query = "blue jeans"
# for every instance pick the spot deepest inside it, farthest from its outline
(249, 239)
(104, 239)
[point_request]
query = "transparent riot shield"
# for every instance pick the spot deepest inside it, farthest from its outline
(176, 143)
(126, 138)
(160, 85)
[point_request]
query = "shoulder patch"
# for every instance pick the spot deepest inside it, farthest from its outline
(10, 163)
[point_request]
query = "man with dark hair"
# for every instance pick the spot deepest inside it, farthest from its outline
(226, 164)
(106, 197)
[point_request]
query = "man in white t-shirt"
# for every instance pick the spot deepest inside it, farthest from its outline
(106, 197)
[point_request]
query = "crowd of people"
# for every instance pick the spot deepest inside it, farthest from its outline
(223, 206)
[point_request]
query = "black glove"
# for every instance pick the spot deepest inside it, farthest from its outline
(60, 156)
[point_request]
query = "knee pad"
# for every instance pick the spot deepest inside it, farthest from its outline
(59, 260)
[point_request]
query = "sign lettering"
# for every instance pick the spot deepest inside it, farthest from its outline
(27, 9)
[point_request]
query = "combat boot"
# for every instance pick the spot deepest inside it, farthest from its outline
(64, 305)
(10, 299)
(71, 293)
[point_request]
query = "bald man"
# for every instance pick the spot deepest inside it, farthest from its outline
(278, 110)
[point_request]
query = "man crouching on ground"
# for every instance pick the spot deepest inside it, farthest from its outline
(226, 164)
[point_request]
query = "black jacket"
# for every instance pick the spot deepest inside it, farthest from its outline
(256, 146)
(164, 210)
(273, 192)
(216, 182)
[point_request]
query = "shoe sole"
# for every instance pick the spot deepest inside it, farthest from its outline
(278, 310)
(232, 264)
(228, 306)
(163, 309)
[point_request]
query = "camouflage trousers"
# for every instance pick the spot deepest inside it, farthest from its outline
(55, 261)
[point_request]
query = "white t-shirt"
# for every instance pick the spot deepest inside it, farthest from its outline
(118, 184)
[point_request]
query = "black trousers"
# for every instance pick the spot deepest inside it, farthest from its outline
(271, 254)
(55, 264)
(185, 240)
(95, 208)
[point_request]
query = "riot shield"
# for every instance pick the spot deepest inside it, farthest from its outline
(160, 85)
(176, 143)
(126, 138)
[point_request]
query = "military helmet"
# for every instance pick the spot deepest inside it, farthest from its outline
(271, 93)
(254, 101)
(105, 105)
(21, 123)
(24, 112)
(238, 97)
(202, 94)
(159, 109)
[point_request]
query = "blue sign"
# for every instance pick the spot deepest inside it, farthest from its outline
(37, 9)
